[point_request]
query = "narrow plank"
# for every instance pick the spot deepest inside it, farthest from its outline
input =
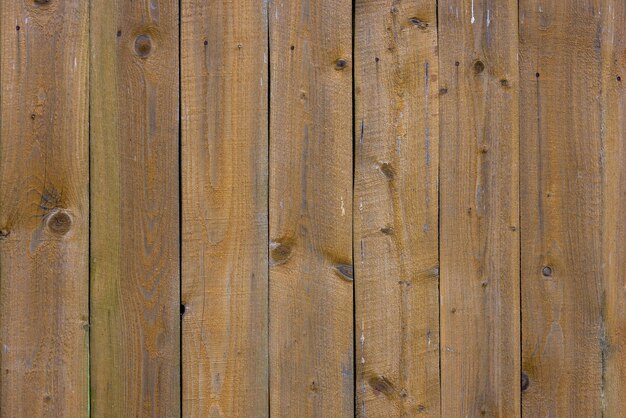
(479, 208)
(225, 221)
(562, 290)
(44, 209)
(311, 302)
(396, 208)
(135, 303)
(613, 156)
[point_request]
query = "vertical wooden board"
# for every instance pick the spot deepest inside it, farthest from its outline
(311, 302)
(479, 250)
(225, 222)
(44, 209)
(135, 303)
(562, 290)
(613, 157)
(396, 208)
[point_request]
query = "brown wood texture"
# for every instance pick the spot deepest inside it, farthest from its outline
(479, 241)
(135, 278)
(312, 208)
(225, 222)
(310, 248)
(613, 171)
(396, 226)
(44, 209)
(565, 157)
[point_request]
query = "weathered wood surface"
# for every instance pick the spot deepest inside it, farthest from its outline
(479, 216)
(396, 226)
(183, 193)
(570, 124)
(135, 278)
(44, 209)
(613, 172)
(310, 248)
(224, 199)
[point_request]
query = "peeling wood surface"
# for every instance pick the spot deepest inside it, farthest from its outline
(312, 208)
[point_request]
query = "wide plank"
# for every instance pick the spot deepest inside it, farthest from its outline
(479, 208)
(44, 208)
(225, 216)
(396, 227)
(135, 278)
(561, 131)
(310, 204)
(613, 158)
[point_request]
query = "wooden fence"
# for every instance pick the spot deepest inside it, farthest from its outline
(312, 208)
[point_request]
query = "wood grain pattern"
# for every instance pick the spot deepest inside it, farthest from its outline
(396, 209)
(225, 221)
(44, 209)
(479, 251)
(561, 207)
(135, 279)
(613, 169)
(311, 310)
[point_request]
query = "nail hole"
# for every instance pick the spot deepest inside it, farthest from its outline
(376, 59)
(119, 33)
(537, 75)
(443, 90)
(183, 308)
(17, 28)
(504, 82)
(456, 63)
(206, 42)
(619, 78)
(547, 271)
(42, 1)
(292, 47)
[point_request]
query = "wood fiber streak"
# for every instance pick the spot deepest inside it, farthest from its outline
(135, 279)
(225, 221)
(44, 209)
(562, 154)
(396, 208)
(311, 279)
(479, 195)
(613, 168)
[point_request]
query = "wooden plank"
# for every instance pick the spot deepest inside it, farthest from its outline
(613, 156)
(479, 250)
(135, 302)
(396, 209)
(560, 49)
(44, 209)
(311, 303)
(225, 220)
